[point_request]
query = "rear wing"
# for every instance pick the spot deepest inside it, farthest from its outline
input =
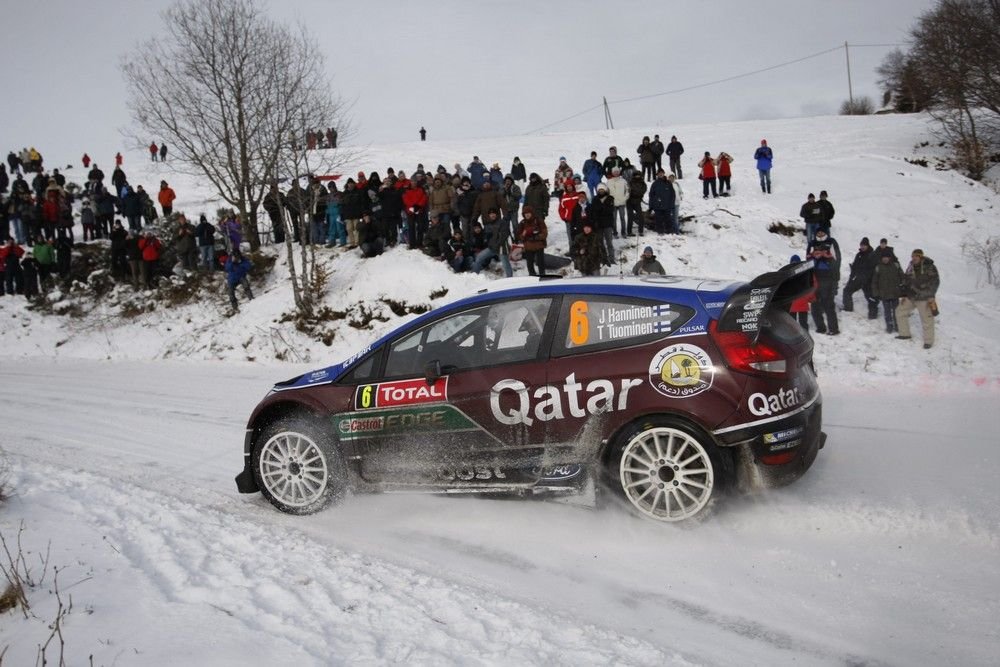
(744, 309)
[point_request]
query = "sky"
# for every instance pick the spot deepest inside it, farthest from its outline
(474, 69)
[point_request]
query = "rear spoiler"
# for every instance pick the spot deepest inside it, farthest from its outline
(780, 288)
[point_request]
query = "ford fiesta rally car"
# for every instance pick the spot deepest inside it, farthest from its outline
(665, 389)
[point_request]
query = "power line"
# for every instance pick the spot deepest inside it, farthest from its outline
(709, 83)
(880, 45)
(539, 129)
(729, 78)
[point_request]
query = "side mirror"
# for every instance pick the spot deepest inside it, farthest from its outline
(432, 371)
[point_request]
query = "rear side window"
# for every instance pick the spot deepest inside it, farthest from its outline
(588, 323)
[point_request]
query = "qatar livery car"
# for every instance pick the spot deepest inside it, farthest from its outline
(667, 390)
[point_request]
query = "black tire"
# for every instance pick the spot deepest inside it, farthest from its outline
(668, 470)
(298, 466)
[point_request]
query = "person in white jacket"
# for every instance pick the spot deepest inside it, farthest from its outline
(678, 196)
(618, 189)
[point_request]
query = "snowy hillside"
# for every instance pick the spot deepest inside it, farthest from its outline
(861, 161)
(124, 435)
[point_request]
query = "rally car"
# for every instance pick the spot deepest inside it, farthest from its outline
(666, 390)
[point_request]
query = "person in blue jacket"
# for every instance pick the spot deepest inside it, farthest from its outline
(237, 269)
(661, 202)
(336, 232)
(593, 170)
(477, 173)
(764, 157)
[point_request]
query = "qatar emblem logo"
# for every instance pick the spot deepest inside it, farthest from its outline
(681, 371)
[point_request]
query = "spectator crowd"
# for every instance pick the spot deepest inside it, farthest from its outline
(468, 217)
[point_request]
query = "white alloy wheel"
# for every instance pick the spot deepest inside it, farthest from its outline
(293, 470)
(666, 474)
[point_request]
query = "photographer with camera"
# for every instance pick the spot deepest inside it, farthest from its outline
(825, 253)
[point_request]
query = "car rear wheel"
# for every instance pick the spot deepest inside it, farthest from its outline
(668, 471)
(298, 467)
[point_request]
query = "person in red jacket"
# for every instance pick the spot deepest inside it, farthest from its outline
(725, 173)
(154, 151)
(149, 246)
(10, 255)
(568, 201)
(118, 159)
(166, 197)
(707, 175)
(86, 161)
(800, 307)
(415, 206)
(50, 213)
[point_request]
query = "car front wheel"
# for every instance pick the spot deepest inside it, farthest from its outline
(298, 467)
(667, 471)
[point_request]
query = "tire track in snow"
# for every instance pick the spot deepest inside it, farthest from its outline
(338, 607)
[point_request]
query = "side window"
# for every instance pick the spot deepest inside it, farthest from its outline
(500, 333)
(515, 330)
(590, 323)
(361, 372)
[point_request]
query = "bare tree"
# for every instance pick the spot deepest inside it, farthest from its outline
(957, 51)
(985, 253)
(307, 279)
(233, 93)
(905, 90)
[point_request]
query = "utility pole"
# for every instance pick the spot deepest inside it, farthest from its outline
(850, 88)
(608, 123)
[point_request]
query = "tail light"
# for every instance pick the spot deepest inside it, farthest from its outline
(743, 355)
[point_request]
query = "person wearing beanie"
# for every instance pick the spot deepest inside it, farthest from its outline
(613, 160)
(588, 251)
(619, 191)
(648, 264)
(887, 279)
(813, 216)
(166, 196)
(675, 150)
(826, 211)
(533, 233)
(862, 269)
(601, 212)
(920, 286)
(593, 172)
(884, 247)
(825, 253)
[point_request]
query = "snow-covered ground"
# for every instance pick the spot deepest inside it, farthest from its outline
(123, 441)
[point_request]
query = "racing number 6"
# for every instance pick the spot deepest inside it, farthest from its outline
(579, 325)
(366, 396)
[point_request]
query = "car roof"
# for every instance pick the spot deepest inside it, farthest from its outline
(625, 285)
(704, 294)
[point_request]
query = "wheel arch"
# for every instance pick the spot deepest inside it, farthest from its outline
(272, 412)
(679, 417)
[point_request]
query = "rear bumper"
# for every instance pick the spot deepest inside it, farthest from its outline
(778, 452)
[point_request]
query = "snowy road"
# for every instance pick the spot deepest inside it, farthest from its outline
(886, 553)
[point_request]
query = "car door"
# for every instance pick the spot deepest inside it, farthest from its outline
(455, 397)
